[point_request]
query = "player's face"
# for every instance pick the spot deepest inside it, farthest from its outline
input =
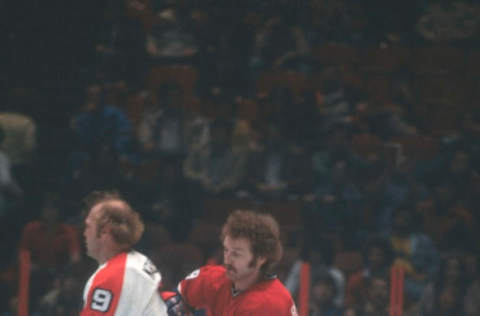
(239, 261)
(92, 240)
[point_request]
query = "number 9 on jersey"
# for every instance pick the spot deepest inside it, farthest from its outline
(101, 300)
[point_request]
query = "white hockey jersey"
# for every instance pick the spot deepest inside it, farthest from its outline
(125, 285)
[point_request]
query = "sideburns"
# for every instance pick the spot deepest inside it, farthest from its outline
(253, 262)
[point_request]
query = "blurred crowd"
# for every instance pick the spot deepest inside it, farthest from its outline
(363, 114)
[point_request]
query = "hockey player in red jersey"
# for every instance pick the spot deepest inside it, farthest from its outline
(126, 281)
(244, 285)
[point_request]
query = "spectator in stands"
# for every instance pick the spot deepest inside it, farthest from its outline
(376, 302)
(279, 44)
(216, 104)
(62, 298)
(472, 298)
(120, 93)
(454, 165)
(197, 130)
(448, 301)
(378, 256)
(170, 39)
(334, 145)
(18, 133)
(321, 261)
(414, 251)
(11, 198)
(403, 95)
(101, 125)
(446, 21)
(216, 167)
(397, 186)
(388, 122)
(20, 145)
(460, 171)
(332, 99)
(54, 246)
(336, 204)
(323, 292)
(443, 295)
(274, 170)
(446, 219)
(370, 179)
(244, 137)
(102, 135)
(20, 137)
(10, 191)
(471, 273)
(273, 107)
(161, 131)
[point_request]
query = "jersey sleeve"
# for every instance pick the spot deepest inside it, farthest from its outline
(139, 293)
(156, 306)
(140, 289)
(198, 289)
(103, 294)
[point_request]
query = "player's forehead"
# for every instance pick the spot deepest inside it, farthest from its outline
(241, 243)
(93, 213)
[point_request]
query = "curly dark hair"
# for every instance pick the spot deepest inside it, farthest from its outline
(124, 222)
(261, 230)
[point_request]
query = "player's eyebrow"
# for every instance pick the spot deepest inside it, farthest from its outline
(239, 249)
(235, 248)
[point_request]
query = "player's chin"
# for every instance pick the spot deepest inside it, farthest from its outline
(90, 253)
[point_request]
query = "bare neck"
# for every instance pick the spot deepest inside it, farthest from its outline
(110, 251)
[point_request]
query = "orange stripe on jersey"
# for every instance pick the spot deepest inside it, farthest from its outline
(104, 293)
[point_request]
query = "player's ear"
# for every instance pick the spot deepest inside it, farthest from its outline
(105, 230)
(261, 261)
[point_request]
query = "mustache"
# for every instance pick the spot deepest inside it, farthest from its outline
(229, 267)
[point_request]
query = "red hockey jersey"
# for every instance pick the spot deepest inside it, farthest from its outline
(209, 288)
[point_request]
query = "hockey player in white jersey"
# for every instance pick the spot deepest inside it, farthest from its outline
(126, 281)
